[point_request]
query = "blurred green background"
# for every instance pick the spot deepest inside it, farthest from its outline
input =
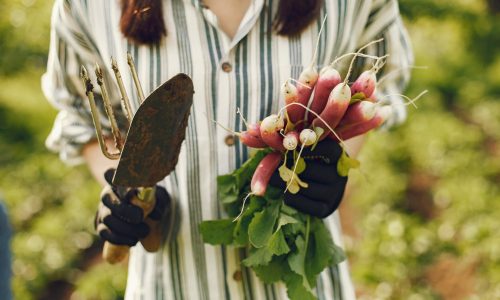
(423, 219)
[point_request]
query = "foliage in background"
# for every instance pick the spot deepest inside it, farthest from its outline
(427, 195)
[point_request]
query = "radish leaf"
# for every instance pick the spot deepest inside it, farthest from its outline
(296, 289)
(217, 232)
(262, 225)
(345, 163)
(274, 271)
(227, 189)
(296, 261)
(277, 243)
(258, 257)
(321, 252)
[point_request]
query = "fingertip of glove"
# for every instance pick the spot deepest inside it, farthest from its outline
(108, 175)
(162, 201)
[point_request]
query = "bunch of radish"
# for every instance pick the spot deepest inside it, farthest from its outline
(320, 105)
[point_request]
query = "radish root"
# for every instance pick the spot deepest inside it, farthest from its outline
(243, 206)
(356, 55)
(317, 42)
(238, 111)
(410, 100)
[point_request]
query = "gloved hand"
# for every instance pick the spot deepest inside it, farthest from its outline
(118, 220)
(325, 186)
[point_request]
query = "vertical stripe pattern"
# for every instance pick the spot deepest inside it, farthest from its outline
(84, 32)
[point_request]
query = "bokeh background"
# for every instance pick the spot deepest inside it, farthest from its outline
(423, 218)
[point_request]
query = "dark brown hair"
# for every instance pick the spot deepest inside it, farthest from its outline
(142, 20)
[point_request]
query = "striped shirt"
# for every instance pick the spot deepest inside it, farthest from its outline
(243, 73)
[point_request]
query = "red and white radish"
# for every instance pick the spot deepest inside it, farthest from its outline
(254, 129)
(263, 173)
(328, 79)
(305, 86)
(365, 84)
(291, 140)
(337, 104)
(308, 137)
(251, 140)
(358, 112)
(345, 133)
(291, 95)
(270, 131)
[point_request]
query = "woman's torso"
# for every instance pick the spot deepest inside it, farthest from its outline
(243, 74)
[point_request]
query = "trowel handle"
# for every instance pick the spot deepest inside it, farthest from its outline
(146, 201)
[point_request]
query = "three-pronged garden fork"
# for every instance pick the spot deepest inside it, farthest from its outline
(151, 147)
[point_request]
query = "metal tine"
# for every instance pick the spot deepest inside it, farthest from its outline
(138, 86)
(125, 101)
(95, 115)
(115, 130)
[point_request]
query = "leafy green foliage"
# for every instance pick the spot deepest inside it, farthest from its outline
(428, 191)
(284, 244)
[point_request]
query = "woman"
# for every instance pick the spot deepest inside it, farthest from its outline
(238, 54)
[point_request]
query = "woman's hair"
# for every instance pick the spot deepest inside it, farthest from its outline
(142, 20)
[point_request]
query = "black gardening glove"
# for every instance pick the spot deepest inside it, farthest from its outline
(120, 222)
(325, 187)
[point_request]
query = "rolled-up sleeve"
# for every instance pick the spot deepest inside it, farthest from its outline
(70, 48)
(385, 22)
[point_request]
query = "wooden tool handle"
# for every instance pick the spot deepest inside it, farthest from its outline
(115, 253)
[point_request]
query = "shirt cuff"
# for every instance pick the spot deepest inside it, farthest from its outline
(69, 134)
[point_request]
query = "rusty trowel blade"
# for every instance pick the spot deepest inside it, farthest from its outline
(155, 136)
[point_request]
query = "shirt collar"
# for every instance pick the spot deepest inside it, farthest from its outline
(247, 23)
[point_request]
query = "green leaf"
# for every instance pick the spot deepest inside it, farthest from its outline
(357, 97)
(293, 229)
(277, 243)
(273, 194)
(216, 232)
(285, 219)
(301, 166)
(262, 226)
(258, 257)
(296, 261)
(274, 271)
(288, 210)
(296, 289)
(322, 251)
(227, 189)
(345, 163)
(241, 230)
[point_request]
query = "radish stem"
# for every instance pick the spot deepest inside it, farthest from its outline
(295, 167)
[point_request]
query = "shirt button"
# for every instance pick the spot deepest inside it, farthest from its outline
(237, 275)
(229, 140)
(227, 67)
